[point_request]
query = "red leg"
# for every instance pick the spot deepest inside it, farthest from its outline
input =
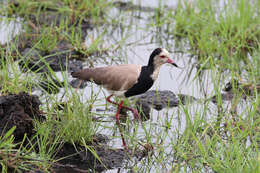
(118, 124)
(108, 100)
(134, 111)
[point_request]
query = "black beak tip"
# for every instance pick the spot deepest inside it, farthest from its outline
(175, 65)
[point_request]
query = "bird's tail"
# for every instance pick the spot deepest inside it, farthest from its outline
(75, 74)
(82, 74)
(85, 74)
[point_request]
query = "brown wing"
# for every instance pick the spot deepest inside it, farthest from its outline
(118, 78)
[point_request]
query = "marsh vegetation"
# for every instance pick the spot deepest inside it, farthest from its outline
(208, 120)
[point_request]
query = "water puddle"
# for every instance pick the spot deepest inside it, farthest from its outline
(9, 29)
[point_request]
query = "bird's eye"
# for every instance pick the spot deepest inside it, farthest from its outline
(162, 56)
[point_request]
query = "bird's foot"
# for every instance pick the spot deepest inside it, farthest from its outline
(136, 114)
(126, 147)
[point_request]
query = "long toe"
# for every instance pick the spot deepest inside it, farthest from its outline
(136, 114)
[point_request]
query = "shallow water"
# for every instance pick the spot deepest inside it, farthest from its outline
(140, 39)
(9, 29)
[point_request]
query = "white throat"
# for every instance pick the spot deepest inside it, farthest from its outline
(155, 73)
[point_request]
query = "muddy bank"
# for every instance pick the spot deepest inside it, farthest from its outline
(21, 110)
(79, 159)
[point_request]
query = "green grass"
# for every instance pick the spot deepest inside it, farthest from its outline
(75, 10)
(15, 158)
(227, 33)
(203, 137)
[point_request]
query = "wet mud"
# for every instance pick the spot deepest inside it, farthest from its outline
(79, 159)
(19, 110)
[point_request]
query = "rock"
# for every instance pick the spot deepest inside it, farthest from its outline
(143, 109)
(161, 99)
(238, 90)
(185, 99)
(245, 88)
(77, 83)
(224, 97)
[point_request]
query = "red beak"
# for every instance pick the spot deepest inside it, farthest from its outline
(171, 62)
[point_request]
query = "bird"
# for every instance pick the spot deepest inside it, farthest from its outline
(127, 80)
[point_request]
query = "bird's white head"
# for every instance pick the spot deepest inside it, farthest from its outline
(159, 57)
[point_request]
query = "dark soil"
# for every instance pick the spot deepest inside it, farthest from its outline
(82, 159)
(19, 110)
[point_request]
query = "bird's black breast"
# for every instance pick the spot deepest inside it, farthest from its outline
(144, 82)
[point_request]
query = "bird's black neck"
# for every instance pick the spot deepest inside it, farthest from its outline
(144, 82)
(147, 71)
